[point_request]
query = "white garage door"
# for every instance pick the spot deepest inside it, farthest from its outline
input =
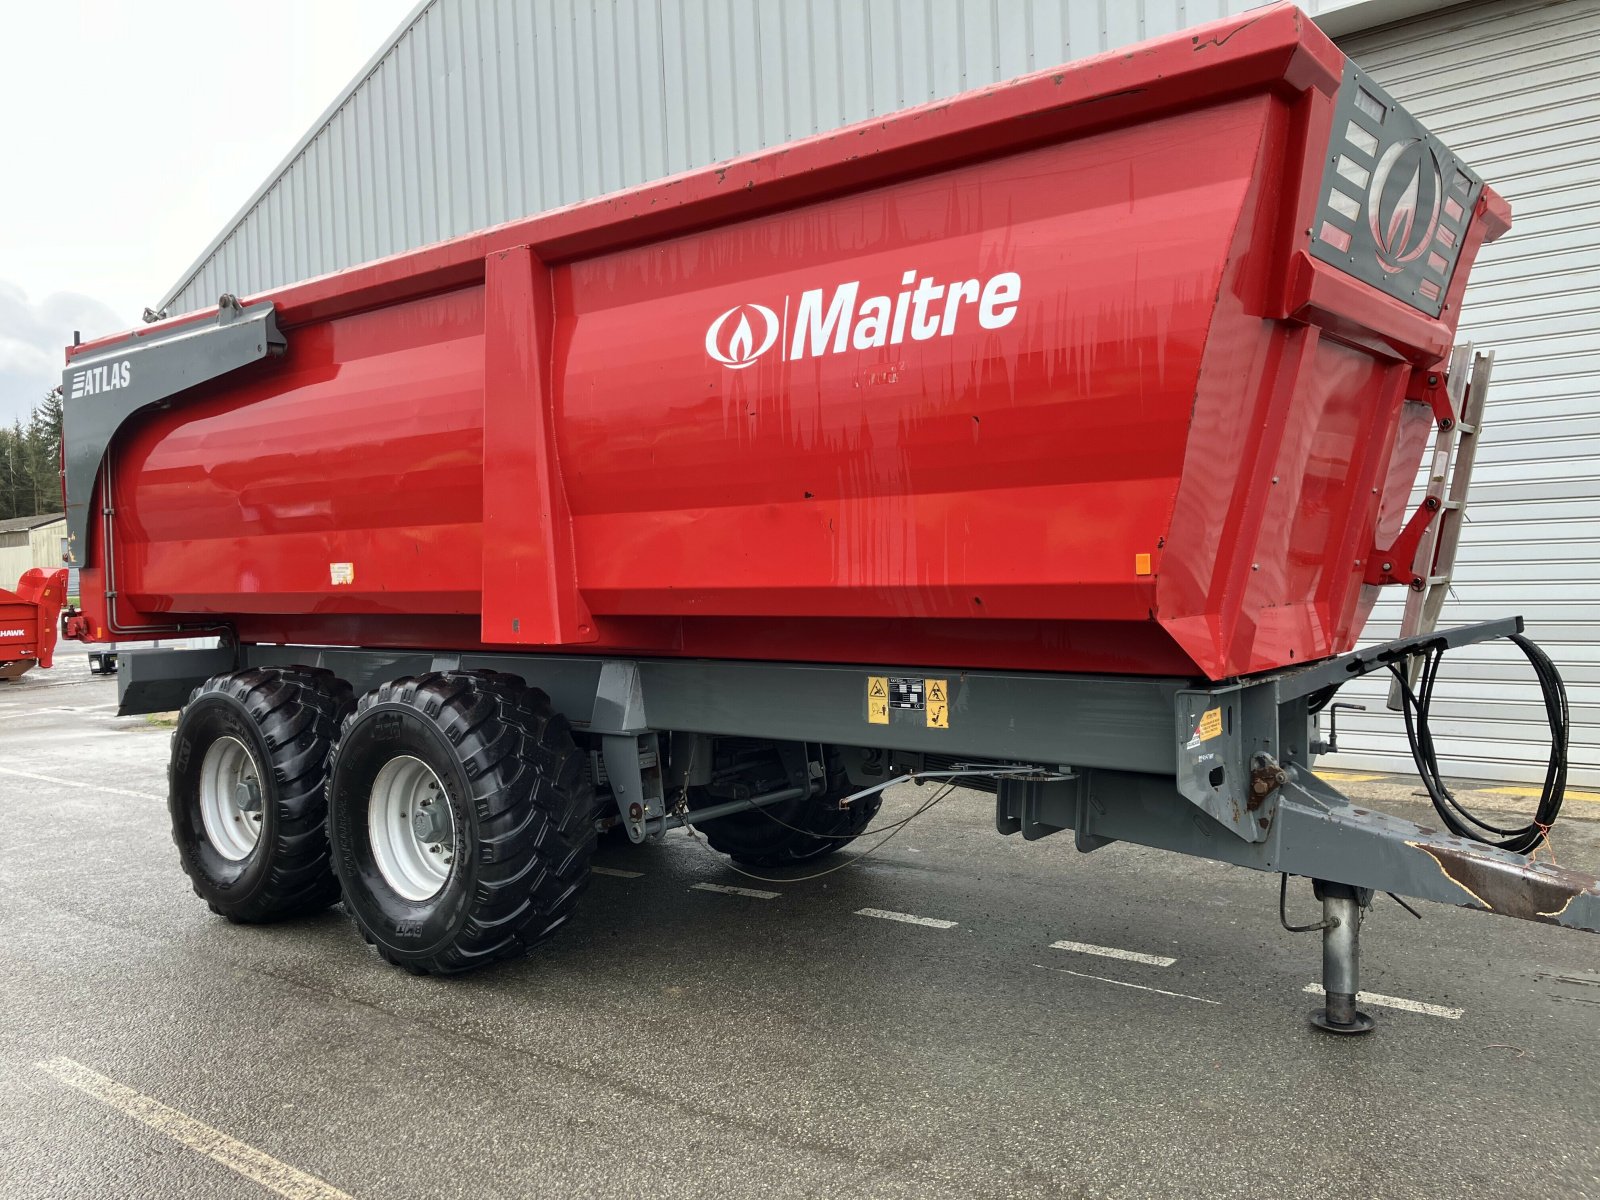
(1514, 87)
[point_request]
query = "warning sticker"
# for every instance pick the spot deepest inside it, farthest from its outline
(938, 692)
(1210, 725)
(341, 574)
(878, 699)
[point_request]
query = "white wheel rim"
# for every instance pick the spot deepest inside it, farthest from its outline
(231, 798)
(411, 828)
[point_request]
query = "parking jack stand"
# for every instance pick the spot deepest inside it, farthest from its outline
(1343, 907)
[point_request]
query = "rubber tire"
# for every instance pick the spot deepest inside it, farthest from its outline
(819, 825)
(288, 717)
(523, 807)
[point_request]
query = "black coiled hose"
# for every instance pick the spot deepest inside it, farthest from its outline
(1520, 839)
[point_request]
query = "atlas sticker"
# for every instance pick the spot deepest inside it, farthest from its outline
(341, 574)
(878, 699)
(938, 693)
(1210, 726)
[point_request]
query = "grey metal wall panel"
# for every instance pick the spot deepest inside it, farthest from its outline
(482, 111)
(1515, 87)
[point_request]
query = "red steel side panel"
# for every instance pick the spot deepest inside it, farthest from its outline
(1086, 403)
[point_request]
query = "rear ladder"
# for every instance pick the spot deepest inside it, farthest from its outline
(1455, 451)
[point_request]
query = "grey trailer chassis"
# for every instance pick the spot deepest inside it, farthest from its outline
(1217, 771)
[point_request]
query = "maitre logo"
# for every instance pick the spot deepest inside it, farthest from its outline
(1403, 203)
(734, 342)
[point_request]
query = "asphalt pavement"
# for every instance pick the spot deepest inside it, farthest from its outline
(697, 1033)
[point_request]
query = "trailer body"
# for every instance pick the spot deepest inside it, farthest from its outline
(1058, 436)
(1062, 375)
(29, 621)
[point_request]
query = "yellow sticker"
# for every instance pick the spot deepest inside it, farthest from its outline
(1210, 725)
(938, 703)
(878, 699)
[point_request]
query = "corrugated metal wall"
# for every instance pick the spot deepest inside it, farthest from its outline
(1515, 88)
(488, 110)
(24, 549)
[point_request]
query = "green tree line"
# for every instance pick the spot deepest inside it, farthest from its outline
(30, 461)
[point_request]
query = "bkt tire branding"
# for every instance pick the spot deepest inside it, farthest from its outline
(841, 320)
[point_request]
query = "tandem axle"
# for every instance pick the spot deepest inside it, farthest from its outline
(1220, 772)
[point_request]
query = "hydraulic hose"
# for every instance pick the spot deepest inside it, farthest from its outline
(1416, 704)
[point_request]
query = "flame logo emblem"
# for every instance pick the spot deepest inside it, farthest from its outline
(733, 340)
(1403, 203)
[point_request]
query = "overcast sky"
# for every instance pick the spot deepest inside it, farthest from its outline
(134, 130)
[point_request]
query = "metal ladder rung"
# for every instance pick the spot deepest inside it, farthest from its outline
(1455, 454)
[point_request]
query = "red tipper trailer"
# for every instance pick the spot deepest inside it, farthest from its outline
(1057, 437)
(29, 618)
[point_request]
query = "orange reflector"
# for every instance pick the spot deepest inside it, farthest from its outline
(1141, 564)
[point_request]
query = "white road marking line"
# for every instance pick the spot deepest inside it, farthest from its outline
(883, 914)
(1149, 960)
(237, 1156)
(617, 873)
(1122, 983)
(1400, 1002)
(82, 783)
(753, 893)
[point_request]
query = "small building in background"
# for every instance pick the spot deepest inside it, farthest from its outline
(30, 542)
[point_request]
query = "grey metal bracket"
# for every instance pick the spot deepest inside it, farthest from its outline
(1228, 750)
(1334, 672)
(633, 769)
(101, 391)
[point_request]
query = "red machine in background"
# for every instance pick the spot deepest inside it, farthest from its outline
(29, 621)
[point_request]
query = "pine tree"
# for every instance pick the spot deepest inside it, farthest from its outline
(44, 454)
(13, 472)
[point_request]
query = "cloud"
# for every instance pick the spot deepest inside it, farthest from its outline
(32, 336)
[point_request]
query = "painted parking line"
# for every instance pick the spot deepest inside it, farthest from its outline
(726, 890)
(1400, 1002)
(82, 783)
(884, 914)
(1149, 960)
(253, 1164)
(1348, 776)
(1124, 983)
(1570, 793)
(617, 873)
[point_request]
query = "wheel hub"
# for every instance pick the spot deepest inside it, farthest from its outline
(247, 795)
(430, 822)
(230, 798)
(411, 827)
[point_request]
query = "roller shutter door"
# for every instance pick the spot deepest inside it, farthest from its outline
(1514, 87)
